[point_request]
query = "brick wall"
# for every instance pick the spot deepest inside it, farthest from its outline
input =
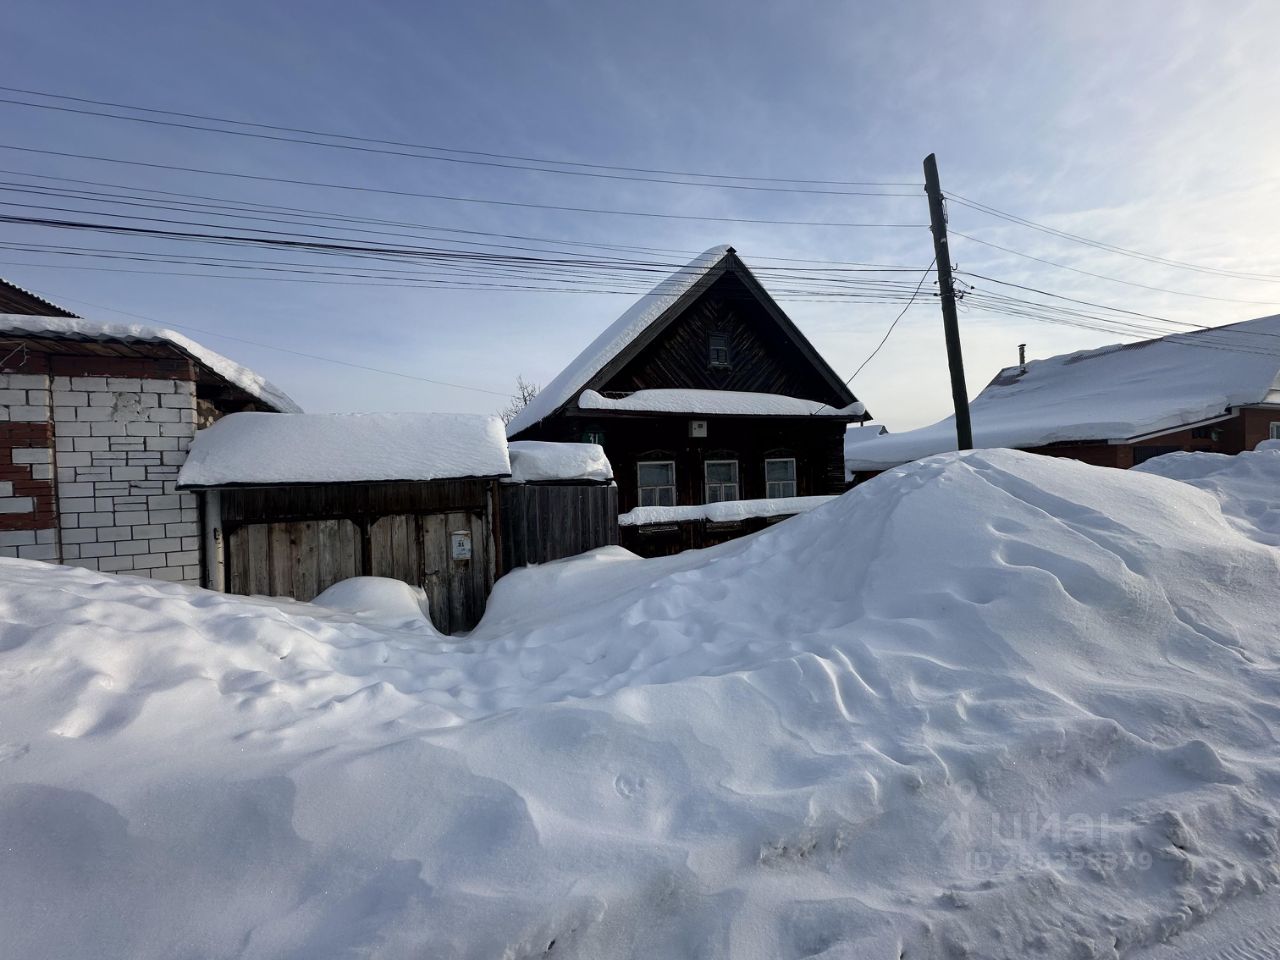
(119, 443)
(27, 496)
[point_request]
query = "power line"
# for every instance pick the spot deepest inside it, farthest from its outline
(1112, 248)
(1090, 303)
(262, 178)
(353, 218)
(1103, 276)
(298, 353)
(459, 160)
(438, 149)
(885, 339)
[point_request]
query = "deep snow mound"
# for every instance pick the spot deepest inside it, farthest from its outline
(988, 704)
(1246, 485)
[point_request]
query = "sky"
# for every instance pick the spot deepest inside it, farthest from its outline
(1143, 125)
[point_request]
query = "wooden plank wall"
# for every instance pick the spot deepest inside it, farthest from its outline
(298, 541)
(540, 523)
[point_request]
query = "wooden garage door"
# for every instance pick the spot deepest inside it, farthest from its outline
(418, 549)
(296, 559)
(301, 558)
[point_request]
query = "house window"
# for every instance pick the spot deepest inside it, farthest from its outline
(780, 478)
(657, 483)
(722, 480)
(1275, 430)
(719, 350)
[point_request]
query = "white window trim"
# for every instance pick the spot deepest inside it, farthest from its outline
(794, 481)
(1275, 429)
(707, 484)
(711, 350)
(641, 489)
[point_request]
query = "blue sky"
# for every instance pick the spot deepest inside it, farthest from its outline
(1147, 125)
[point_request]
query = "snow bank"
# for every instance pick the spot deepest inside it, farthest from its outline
(1116, 392)
(77, 328)
(987, 705)
(266, 448)
(615, 338)
(712, 402)
(728, 511)
(379, 599)
(1244, 484)
(534, 461)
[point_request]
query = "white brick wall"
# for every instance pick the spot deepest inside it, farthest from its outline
(119, 444)
(24, 398)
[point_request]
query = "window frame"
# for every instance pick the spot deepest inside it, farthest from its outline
(657, 498)
(1275, 430)
(712, 340)
(707, 482)
(794, 481)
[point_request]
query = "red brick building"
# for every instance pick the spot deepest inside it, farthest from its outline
(1215, 390)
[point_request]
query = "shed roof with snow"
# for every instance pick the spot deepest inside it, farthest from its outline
(269, 449)
(542, 461)
(68, 334)
(1117, 393)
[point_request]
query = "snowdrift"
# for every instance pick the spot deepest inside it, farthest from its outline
(987, 705)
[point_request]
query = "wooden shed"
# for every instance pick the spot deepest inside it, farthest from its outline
(293, 504)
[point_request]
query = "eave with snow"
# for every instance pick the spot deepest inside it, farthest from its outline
(67, 342)
(1214, 390)
(703, 390)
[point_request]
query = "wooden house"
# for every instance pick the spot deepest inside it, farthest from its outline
(1215, 390)
(292, 504)
(703, 392)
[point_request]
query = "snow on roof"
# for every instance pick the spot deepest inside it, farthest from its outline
(270, 448)
(712, 402)
(615, 339)
(727, 511)
(77, 328)
(1116, 392)
(534, 461)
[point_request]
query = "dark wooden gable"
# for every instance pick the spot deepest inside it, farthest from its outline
(763, 357)
(767, 353)
(14, 299)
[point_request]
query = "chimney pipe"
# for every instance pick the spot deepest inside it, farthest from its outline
(1022, 356)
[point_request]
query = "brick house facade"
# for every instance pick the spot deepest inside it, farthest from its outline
(95, 422)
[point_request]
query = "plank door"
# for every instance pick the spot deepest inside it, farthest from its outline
(296, 559)
(417, 549)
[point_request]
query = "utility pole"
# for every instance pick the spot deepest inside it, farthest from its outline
(950, 324)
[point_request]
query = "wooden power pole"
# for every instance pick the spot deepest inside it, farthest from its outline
(951, 326)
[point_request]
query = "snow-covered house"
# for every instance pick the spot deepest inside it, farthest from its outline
(293, 504)
(95, 420)
(704, 391)
(1215, 390)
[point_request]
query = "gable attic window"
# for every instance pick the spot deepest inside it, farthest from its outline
(780, 478)
(718, 350)
(657, 482)
(722, 480)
